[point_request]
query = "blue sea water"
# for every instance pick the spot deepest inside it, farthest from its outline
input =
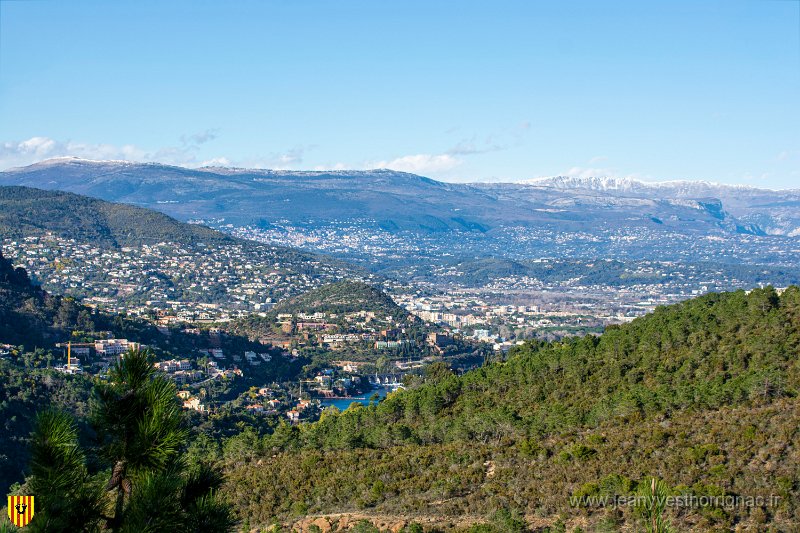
(344, 403)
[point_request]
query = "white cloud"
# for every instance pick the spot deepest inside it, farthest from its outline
(20, 153)
(34, 145)
(216, 162)
(496, 142)
(471, 147)
(289, 158)
(420, 163)
(185, 153)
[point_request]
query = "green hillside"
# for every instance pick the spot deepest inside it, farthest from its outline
(73, 245)
(338, 298)
(25, 211)
(32, 321)
(341, 298)
(703, 394)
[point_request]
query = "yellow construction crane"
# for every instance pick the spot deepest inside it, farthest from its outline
(69, 346)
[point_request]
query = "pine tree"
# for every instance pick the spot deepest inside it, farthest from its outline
(140, 436)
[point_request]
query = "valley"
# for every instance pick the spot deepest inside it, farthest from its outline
(272, 266)
(301, 351)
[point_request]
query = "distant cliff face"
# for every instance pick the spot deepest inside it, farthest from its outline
(750, 209)
(399, 201)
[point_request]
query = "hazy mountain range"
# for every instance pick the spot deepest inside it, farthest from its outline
(401, 201)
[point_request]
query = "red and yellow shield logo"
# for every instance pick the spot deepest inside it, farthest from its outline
(20, 510)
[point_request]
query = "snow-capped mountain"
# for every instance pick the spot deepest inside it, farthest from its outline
(774, 212)
(400, 201)
(636, 187)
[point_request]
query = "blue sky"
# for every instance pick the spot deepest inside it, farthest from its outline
(460, 91)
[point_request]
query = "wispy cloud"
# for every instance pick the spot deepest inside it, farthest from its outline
(186, 152)
(291, 159)
(495, 142)
(293, 156)
(202, 137)
(420, 163)
(19, 153)
(787, 155)
(472, 146)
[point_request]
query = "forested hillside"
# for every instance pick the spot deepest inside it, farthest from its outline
(338, 298)
(33, 321)
(702, 394)
(23, 393)
(25, 211)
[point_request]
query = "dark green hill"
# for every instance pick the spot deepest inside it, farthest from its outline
(342, 297)
(25, 211)
(703, 394)
(714, 351)
(339, 298)
(24, 392)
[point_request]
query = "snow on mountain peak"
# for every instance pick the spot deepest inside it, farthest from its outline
(630, 185)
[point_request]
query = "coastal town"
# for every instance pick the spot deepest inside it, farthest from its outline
(212, 284)
(203, 283)
(305, 359)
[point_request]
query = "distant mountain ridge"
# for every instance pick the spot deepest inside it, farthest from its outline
(610, 183)
(398, 201)
(767, 211)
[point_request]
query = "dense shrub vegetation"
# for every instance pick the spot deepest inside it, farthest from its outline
(702, 394)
